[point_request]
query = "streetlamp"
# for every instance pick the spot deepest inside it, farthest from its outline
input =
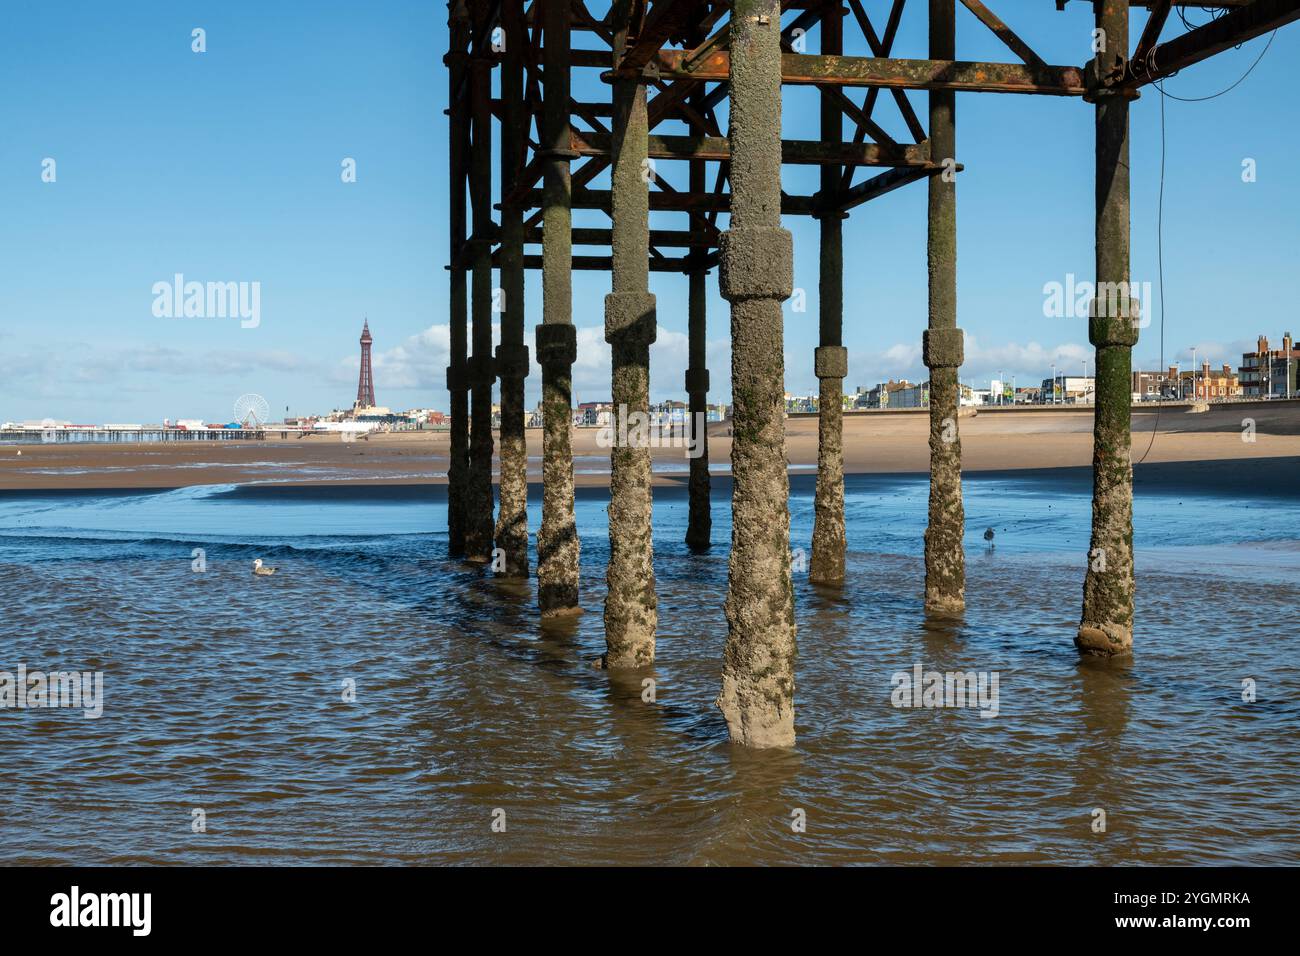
(1053, 383)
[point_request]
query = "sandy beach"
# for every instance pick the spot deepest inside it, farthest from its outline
(874, 443)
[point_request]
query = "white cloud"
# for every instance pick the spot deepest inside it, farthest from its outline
(419, 363)
(1029, 362)
(123, 368)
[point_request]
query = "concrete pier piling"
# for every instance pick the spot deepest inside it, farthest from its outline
(631, 608)
(699, 526)
(557, 345)
(458, 308)
(830, 360)
(757, 696)
(942, 345)
(478, 500)
(512, 353)
(674, 62)
(1106, 627)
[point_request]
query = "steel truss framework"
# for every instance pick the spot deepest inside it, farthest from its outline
(676, 61)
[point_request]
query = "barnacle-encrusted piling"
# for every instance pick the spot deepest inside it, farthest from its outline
(631, 609)
(831, 359)
(512, 353)
(699, 522)
(478, 523)
(1106, 627)
(557, 345)
(458, 314)
(942, 346)
(757, 697)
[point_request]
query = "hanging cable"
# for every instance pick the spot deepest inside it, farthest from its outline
(1149, 65)
(1160, 271)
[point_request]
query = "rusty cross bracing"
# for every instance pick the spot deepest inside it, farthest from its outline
(657, 125)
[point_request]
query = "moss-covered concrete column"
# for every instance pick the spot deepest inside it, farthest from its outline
(831, 359)
(828, 541)
(478, 523)
(1106, 628)
(942, 347)
(512, 353)
(557, 540)
(631, 608)
(458, 315)
(757, 265)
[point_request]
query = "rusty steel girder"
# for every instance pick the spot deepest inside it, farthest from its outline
(803, 69)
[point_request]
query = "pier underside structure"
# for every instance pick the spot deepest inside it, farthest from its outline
(617, 107)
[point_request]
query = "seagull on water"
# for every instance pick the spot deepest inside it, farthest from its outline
(263, 569)
(988, 536)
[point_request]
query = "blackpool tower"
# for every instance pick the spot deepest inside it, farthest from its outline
(366, 383)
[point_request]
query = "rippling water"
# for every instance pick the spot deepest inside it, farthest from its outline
(224, 691)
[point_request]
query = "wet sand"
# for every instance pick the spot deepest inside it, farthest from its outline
(874, 443)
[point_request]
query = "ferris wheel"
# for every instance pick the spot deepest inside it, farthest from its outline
(251, 410)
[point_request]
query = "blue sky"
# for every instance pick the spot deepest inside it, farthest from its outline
(225, 166)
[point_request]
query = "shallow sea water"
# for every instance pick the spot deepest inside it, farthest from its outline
(224, 691)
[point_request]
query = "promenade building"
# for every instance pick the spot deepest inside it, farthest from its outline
(1270, 373)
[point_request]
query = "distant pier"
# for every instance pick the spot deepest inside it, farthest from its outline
(64, 434)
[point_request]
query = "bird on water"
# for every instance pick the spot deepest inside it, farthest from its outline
(988, 536)
(264, 570)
